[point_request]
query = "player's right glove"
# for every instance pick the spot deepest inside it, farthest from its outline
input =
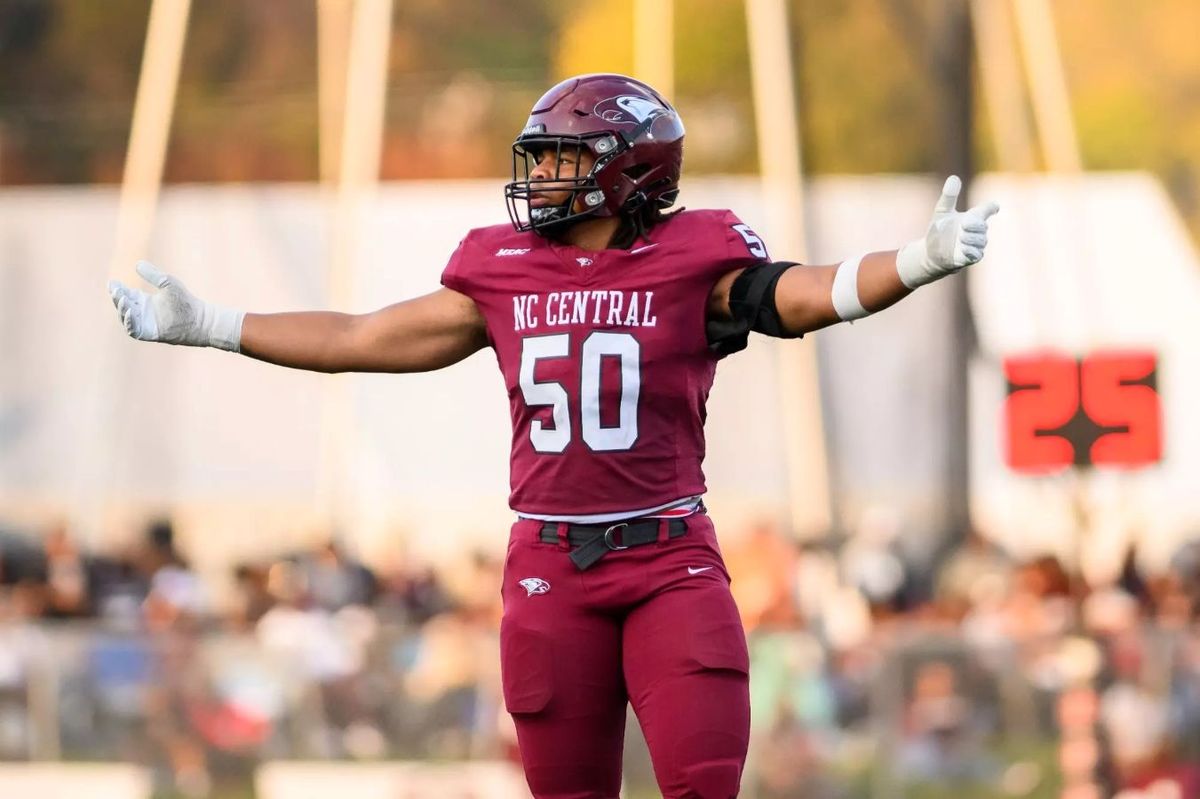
(954, 240)
(172, 315)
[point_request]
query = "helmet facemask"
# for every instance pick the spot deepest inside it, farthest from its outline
(582, 190)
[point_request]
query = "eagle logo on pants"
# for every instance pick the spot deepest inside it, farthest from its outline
(535, 585)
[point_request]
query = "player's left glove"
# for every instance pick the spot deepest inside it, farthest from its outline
(954, 240)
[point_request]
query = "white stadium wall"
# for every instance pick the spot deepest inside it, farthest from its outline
(1085, 268)
(392, 780)
(234, 446)
(73, 780)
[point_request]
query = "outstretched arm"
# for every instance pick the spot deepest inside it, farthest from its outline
(417, 335)
(812, 297)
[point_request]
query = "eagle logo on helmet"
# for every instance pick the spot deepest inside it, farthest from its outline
(535, 585)
(628, 110)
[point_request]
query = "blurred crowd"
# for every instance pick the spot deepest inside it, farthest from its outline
(312, 654)
(996, 676)
(982, 674)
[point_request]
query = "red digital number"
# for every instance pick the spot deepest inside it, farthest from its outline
(1115, 394)
(1100, 410)
(1044, 395)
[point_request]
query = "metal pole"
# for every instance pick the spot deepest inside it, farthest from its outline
(952, 63)
(654, 24)
(153, 108)
(358, 176)
(1048, 86)
(152, 112)
(1001, 81)
(778, 132)
(333, 46)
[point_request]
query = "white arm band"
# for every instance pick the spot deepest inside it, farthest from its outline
(845, 291)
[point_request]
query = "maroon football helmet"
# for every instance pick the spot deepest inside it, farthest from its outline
(635, 136)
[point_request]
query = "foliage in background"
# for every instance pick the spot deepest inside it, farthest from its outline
(463, 75)
(247, 93)
(712, 66)
(867, 100)
(68, 72)
(1133, 70)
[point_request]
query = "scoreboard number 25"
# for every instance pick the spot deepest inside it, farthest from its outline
(1099, 410)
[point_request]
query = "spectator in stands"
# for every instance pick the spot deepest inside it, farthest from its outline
(336, 580)
(442, 683)
(253, 598)
(871, 562)
(1137, 721)
(23, 649)
(976, 573)
(762, 564)
(1184, 573)
(789, 765)
(68, 581)
(940, 744)
(413, 595)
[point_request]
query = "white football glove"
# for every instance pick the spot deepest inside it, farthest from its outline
(172, 315)
(954, 240)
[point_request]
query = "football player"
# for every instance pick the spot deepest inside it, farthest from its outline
(608, 314)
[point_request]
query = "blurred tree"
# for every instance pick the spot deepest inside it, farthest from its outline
(463, 74)
(868, 96)
(247, 103)
(712, 71)
(1133, 70)
(22, 25)
(68, 73)
(856, 117)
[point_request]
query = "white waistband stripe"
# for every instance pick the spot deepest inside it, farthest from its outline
(675, 508)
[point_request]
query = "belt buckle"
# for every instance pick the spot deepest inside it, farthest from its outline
(609, 541)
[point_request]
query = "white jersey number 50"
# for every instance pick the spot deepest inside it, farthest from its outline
(596, 347)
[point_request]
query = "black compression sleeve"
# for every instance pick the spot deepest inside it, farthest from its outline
(752, 304)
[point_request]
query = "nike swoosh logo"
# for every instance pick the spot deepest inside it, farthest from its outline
(643, 249)
(697, 571)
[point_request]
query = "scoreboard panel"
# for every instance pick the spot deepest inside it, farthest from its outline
(1102, 409)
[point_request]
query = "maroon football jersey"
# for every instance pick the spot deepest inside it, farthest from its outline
(605, 358)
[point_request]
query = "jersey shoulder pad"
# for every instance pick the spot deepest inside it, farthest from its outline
(741, 239)
(466, 268)
(729, 238)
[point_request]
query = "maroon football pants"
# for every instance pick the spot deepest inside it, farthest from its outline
(654, 625)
